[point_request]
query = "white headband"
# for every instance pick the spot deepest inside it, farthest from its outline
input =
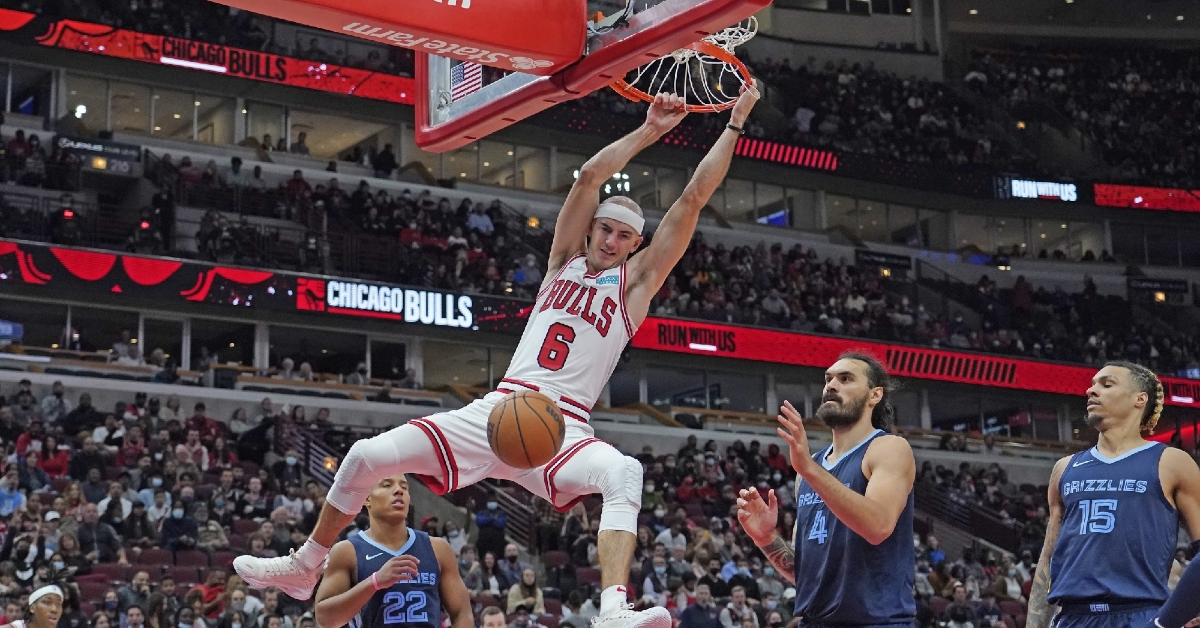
(623, 214)
(49, 589)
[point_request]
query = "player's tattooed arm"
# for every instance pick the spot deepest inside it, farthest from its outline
(782, 556)
(1040, 610)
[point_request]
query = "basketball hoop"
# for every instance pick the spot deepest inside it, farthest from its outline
(706, 74)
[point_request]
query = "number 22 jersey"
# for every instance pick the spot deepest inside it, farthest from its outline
(1118, 531)
(575, 335)
(415, 603)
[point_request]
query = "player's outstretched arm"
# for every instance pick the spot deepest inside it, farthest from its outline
(577, 213)
(758, 518)
(455, 599)
(1183, 607)
(891, 472)
(649, 269)
(1041, 611)
(338, 600)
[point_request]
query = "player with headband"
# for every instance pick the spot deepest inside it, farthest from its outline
(597, 291)
(45, 608)
(1115, 511)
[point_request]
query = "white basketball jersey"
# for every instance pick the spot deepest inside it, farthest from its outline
(575, 335)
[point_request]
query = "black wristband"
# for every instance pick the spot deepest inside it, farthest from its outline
(731, 127)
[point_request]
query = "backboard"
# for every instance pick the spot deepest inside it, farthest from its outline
(445, 123)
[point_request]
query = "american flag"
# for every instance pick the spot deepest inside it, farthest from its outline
(465, 78)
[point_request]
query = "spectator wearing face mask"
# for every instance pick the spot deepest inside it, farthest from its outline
(179, 531)
(657, 585)
(651, 498)
(492, 524)
(455, 537)
(512, 566)
(55, 406)
(287, 471)
(359, 376)
(769, 583)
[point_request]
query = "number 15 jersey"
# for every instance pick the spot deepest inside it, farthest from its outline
(1118, 531)
(575, 335)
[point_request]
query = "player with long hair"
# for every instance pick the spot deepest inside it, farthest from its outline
(1114, 512)
(852, 557)
(597, 291)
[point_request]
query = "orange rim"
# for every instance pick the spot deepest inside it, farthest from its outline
(622, 87)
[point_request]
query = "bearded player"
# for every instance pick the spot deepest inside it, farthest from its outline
(595, 295)
(852, 556)
(391, 574)
(1114, 512)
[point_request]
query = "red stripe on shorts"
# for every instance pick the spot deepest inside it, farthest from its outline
(568, 413)
(521, 383)
(575, 403)
(440, 448)
(558, 461)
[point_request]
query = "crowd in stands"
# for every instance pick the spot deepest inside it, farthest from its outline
(218, 24)
(1138, 105)
(468, 246)
(796, 289)
(143, 506)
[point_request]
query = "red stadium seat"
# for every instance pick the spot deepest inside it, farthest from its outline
(555, 559)
(110, 572)
(191, 558)
(1009, 622)
(587, 575)
(185, 577)
(92, 591)
(1021, 620)
(549, 621)
(553, 607)
(1011, 607)
(245, 526)
(485, 600)
(224, 559)
(159, 557)
(938, 605)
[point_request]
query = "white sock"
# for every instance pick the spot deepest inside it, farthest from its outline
(312, 554)
(612, 598)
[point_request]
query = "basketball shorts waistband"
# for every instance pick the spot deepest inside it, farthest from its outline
(1101, 607)
(570, 408)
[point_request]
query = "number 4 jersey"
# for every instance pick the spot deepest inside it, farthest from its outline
(575, 335)
(413, 603)
(1118, 532)
(841, 579)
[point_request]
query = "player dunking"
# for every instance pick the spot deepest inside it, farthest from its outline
(595, 295)
(391, 574)
(852, 559)
(1114, 512)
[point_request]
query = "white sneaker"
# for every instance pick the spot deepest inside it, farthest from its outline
(284, 572)
(626, 617)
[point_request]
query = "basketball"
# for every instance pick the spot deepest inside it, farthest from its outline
(525, 429)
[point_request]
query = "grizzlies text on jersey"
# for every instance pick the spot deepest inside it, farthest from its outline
(1118, 531)
(841, 579)
(413, 603)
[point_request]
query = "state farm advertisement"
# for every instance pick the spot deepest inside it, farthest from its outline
(104, 40)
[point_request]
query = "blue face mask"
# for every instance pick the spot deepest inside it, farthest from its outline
(291, 460)
(769, 571)
(156, 482)
(177, 513)
(218, 502)
(660, 570)
(492, 505)
(744, 571)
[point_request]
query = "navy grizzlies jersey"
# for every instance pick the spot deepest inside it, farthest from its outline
(840, 577)
(415, 602)
(1118, 531)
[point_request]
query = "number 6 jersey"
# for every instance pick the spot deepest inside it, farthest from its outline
(575, 335)
(415, 603)
(1118, 531)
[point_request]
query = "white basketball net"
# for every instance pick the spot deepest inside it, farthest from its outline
(699, 78)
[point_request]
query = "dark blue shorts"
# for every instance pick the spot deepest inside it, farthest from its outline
(1099, 618)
